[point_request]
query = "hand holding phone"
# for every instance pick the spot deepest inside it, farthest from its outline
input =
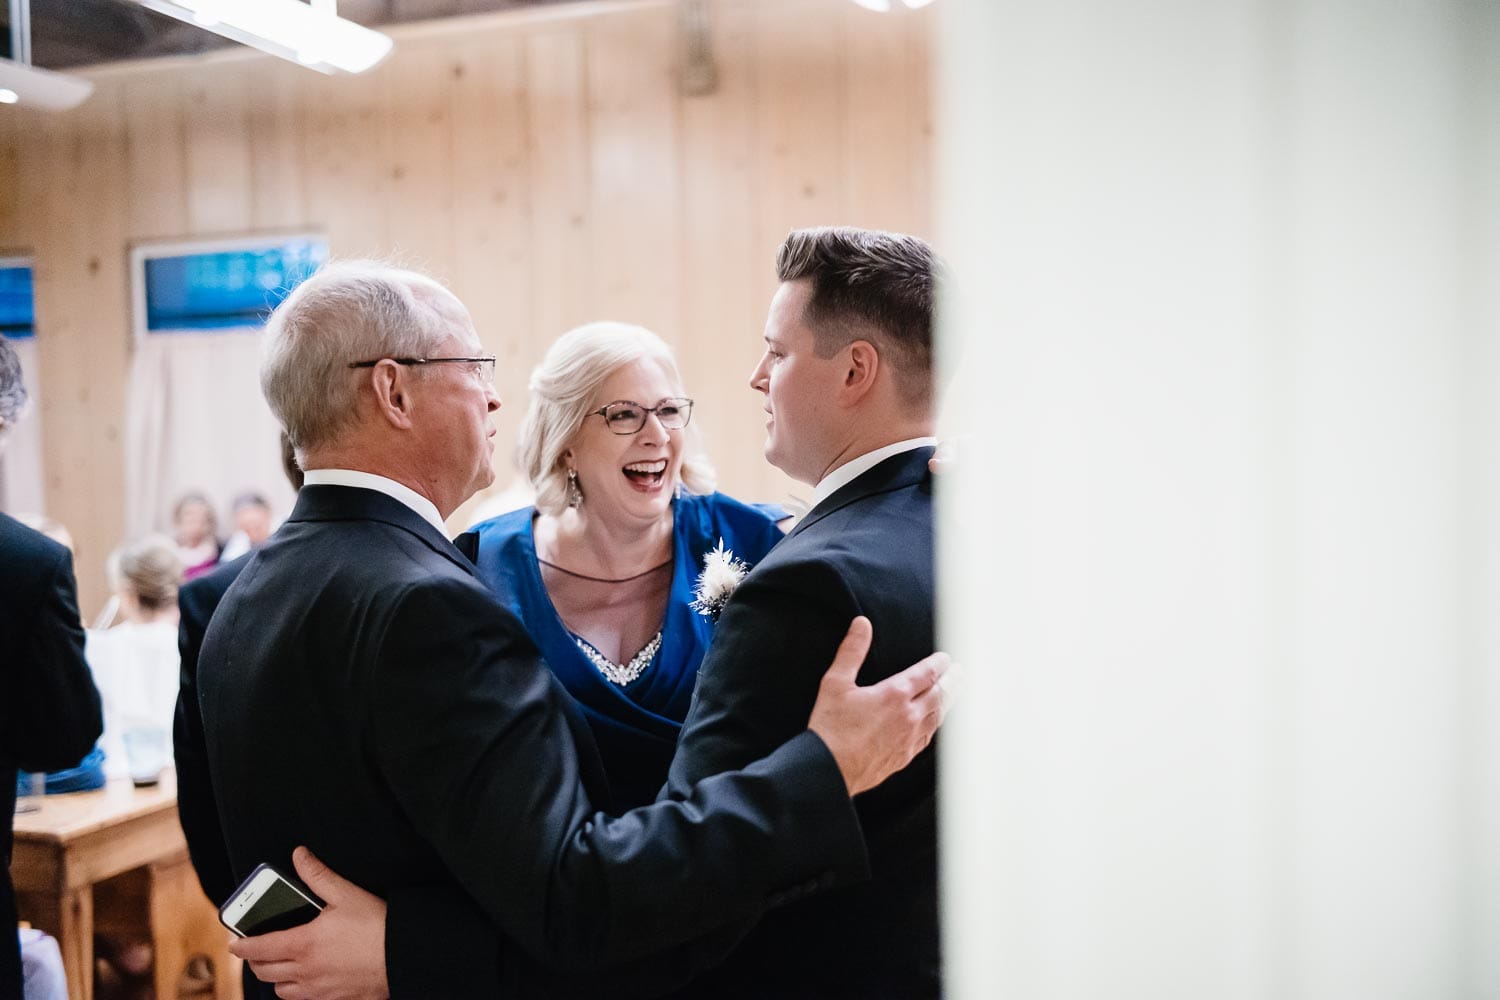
(268, 901)
(340, 954)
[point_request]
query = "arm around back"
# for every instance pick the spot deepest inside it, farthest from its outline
(472, 734)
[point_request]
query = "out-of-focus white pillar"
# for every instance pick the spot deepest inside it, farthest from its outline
(1220, 554)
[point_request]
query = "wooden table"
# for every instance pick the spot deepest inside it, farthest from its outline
(80, 839)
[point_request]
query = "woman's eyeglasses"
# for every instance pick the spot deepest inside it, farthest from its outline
(625, 416)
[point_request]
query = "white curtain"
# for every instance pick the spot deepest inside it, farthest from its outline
(195, 420)
(22, 487)
(1221, 553)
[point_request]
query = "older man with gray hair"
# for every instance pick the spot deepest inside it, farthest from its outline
(363, 694)
(49, 710)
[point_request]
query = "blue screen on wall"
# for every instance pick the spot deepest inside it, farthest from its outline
(226, 289)
(17, 315)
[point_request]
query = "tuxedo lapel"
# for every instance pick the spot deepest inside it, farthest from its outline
(354, 503)
(897, 472)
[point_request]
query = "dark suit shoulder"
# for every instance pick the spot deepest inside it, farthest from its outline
(28, 560)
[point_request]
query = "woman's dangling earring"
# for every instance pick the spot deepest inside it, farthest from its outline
(575, 495)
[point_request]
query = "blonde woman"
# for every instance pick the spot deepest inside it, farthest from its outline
(135, 664)
(603, 570)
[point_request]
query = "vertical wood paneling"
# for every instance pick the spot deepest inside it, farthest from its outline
(880, 108)
(800, 157)
(156, 156)
(11, 126)
(632, 91)
(344, 143)
(798, 107)
(277, 189)
(492, 268)
(920, 138)
(419, 134)
(83, 347)
(218, 147)
(726, 269)
(561, 244)
(550, 171)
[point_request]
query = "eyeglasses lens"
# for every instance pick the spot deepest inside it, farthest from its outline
(629, 418)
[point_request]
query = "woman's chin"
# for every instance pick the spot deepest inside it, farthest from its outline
(648, 502)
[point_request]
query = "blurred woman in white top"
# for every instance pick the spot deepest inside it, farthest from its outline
(135, 663)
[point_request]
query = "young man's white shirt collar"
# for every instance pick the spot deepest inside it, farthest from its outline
(424, 507)
(856, 467)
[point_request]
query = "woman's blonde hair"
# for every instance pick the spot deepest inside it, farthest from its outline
(562, 394)
(151, 570)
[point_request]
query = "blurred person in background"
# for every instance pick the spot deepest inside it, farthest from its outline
(603, 571)
(253, 524)
(49, 710)
(195, 532)
(135, 663)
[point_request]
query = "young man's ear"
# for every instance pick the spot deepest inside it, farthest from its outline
(863, 367)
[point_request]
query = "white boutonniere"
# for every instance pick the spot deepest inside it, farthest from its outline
(722, 572)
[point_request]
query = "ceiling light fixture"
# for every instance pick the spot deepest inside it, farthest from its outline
(312, 35)
(25, 84)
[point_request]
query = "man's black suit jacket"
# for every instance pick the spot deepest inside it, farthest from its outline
(49, 708)
(867, 549)
(443, 920)
(363, 693)
(197, 808)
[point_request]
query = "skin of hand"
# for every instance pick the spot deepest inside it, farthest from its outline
(339, 955)
(875, 731)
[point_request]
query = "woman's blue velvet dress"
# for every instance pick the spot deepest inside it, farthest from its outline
(636, 725)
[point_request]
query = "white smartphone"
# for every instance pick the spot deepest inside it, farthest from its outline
(268, 901)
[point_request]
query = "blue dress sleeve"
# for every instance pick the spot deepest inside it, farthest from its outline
(747, 530)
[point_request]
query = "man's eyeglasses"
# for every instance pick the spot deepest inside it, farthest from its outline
(625, 416)
(483, 367)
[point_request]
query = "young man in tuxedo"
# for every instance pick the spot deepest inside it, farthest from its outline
(362, 693)
(847, 381)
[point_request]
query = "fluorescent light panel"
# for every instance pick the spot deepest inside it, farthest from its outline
(285, 28)
(33, 87)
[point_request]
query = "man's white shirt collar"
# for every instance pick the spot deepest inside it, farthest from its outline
(424, 507)
(856, 467)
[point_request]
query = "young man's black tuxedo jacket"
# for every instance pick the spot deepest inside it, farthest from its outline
(364, 694)
(49, 708)
(867, 549)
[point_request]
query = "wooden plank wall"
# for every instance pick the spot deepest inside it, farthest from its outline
(547, 168)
